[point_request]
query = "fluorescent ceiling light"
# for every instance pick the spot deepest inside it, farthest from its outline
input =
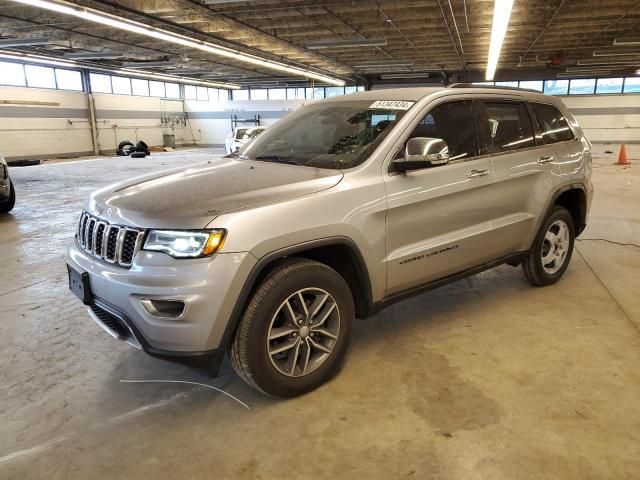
(140, 28)
(173, 78)
(43, 60)
(609, 62)
(384, 63)
(215, 2)
(147, 64)
(609, 53)
(587, 68)
(93, 55)
(39, 60)
(354, 43)
(392, 76)
(501, 15)
(192, 71)
(627, 41)
(23, 42)
(585, 74)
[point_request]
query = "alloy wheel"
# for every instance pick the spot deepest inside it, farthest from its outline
(303, 332)
(555, 247)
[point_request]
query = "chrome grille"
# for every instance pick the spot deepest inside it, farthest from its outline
(115, 244)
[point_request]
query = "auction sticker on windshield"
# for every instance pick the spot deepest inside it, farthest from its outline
(390, 105)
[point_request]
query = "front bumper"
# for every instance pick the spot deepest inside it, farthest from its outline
(208, 287)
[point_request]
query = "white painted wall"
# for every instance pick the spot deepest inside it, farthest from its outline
(211, 122)
(607, 118)
(63, 130)
(32, 130)
(125, 117)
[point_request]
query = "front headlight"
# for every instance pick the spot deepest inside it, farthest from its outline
(185, 244)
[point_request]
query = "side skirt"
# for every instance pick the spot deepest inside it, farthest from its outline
(385, 302)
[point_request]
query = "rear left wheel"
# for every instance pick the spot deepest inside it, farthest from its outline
(551, 251)
(295, 330)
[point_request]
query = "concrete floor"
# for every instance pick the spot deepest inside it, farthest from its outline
(487, 378)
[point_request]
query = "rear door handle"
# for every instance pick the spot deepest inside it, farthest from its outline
(477, 173)
(545, 159)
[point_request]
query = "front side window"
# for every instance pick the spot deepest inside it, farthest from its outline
(552, 124)
(509, 126)
(336, 135)
(453, 122)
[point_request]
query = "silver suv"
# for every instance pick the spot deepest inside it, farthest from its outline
(339, 209)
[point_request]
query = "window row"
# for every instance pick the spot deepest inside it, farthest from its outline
(293, 93)
(575, 86)
(21, 75)
(101, 83)
(205, 94)
(475, 128)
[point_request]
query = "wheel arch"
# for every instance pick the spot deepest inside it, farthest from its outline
(574, 198)
(340, 253)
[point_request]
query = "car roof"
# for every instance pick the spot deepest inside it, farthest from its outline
(416, 93)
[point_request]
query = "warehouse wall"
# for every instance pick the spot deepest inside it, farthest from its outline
(211, 122)
(62, 129)
(607, 118)
(125, 117)
(32, 131)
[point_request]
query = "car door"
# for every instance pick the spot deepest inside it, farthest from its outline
(438, 219)
(523, 166)
(554, 130)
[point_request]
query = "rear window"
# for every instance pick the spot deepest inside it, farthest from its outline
(509, 126)
(553, 126)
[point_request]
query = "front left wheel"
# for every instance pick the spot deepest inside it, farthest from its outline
(295, 330)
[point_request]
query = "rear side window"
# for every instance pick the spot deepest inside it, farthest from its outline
(454, 123)
(553, 126)
(509, 126)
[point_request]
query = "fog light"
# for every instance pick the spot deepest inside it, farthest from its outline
(170, 309)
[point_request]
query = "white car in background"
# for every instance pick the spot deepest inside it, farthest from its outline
(240, 137)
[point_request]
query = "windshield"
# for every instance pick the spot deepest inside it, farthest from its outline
(240, 132)
(336, 135)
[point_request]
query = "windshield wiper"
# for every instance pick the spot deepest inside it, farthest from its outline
(277, 159)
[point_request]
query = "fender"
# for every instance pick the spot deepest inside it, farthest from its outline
(552, 200)
(259, 268)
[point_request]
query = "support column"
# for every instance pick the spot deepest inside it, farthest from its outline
(92, 111)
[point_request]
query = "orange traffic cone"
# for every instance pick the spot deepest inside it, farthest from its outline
(622, 158)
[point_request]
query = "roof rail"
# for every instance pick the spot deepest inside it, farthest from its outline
(493, 87)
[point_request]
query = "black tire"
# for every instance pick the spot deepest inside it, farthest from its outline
(249, 353)
(125, 148)
(143, 147)
(23, 163)
(6, 207)
(137, 155)
(533, 265)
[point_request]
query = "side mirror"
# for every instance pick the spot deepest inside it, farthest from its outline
(422, 152)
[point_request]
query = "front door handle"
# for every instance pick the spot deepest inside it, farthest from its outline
(477, 173)
(545, 159)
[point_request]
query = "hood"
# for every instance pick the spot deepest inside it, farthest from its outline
(192, 197)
